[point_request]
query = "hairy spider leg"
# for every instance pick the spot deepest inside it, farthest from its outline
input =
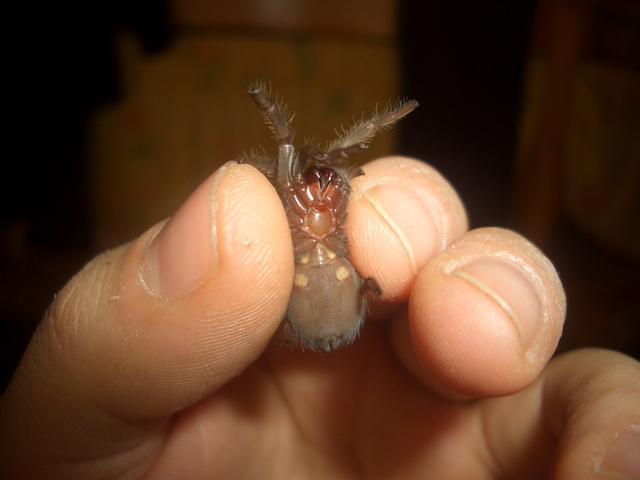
(280, 128)
(356, 139)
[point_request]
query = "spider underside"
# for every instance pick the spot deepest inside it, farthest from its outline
(327, 303)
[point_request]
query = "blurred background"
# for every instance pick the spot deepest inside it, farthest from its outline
(531, 109)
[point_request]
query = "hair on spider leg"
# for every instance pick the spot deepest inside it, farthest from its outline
(261, 162)
(328, 299)
(363, 131)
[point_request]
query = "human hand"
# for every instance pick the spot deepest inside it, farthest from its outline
(158, 360)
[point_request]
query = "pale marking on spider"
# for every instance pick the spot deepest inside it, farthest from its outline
(342, 273)
(300, 280)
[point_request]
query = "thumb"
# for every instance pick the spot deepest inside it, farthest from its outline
(152, 327)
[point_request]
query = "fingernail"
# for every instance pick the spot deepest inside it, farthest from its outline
(184, 253)
(410, 217)
(622, 460)
(508, 287)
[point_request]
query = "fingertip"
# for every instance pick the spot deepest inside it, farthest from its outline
(184, 251)
(235, 236)
(402, 212)
(486, 315)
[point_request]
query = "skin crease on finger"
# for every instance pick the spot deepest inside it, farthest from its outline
(402, 212)
(492, 287)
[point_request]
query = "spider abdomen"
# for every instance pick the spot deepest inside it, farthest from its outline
(326, 306)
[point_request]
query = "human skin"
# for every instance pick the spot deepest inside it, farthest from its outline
(162, 358)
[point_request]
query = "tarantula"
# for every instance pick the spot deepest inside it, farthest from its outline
(327, 304)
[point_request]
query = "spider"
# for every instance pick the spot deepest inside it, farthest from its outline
(327, 304)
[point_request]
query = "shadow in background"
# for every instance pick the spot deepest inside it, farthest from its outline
(61, 69)
(465, 63)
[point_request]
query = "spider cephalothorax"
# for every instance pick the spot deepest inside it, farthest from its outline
(327, 302)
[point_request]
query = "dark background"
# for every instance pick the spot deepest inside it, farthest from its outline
(464, 60)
